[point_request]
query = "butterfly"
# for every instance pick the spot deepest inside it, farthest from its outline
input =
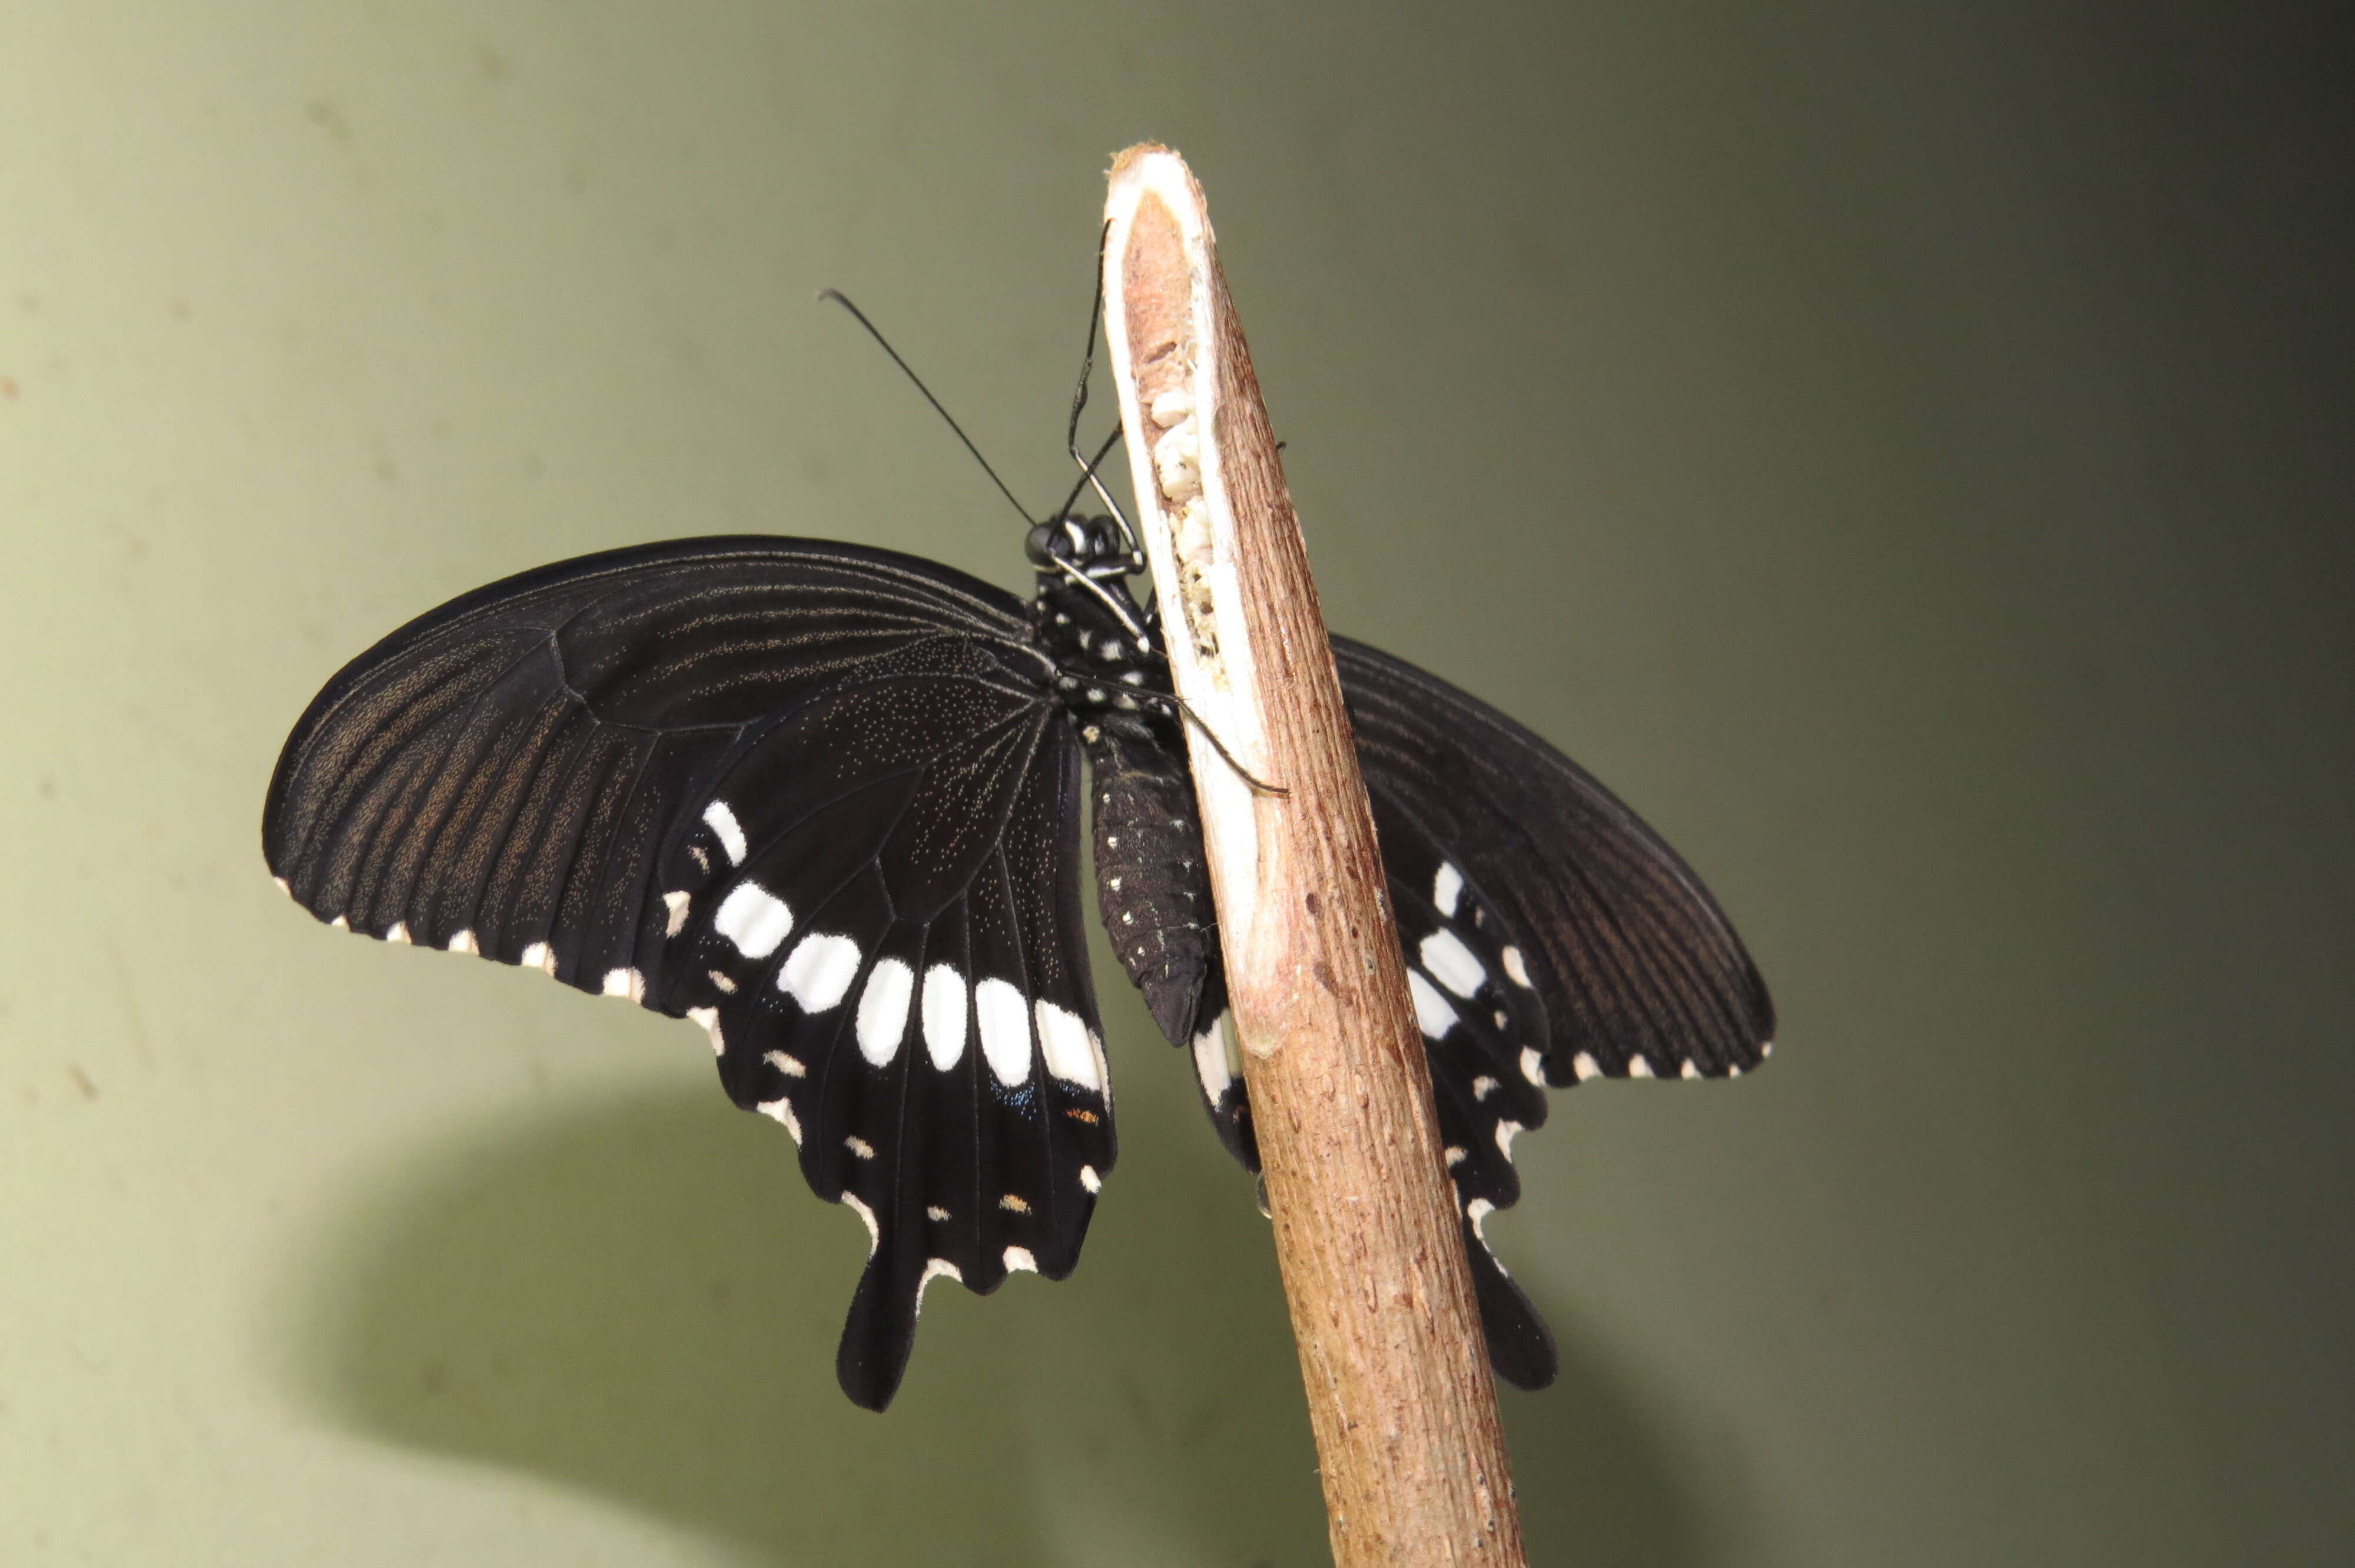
(825, 800)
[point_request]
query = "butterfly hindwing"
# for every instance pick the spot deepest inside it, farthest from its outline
(1550, 934)
(1549, 937)
(818, 799)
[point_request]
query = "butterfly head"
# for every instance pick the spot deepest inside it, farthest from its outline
(1093, 546)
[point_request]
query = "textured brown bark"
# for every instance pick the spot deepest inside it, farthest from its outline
(1400, 1395)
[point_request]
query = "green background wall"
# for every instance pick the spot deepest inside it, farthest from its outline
(1904, 450)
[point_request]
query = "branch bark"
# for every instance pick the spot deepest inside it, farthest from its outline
(1366, 1235)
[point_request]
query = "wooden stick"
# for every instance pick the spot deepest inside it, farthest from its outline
(1366, 1229)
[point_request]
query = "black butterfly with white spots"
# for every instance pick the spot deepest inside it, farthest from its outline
(825, 801)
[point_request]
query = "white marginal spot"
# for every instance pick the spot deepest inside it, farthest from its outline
(752, 916)
(464, 942)
(1020, 1261)
(1765, 1048)
(676, 904)
(1688, 1070)
(874, 1231)
(1090, 1180)
(938, 1216)
(541, 956)
(1450, 963)
(943, 1015)
(1483, 1087)
(710, 1018)
(1005, 1030)
(1734, 1071)
(790, 1066)
(1515, 969)
(339, 924)
(1433, 1014)
(883, 1011)
(1639, 1067)
(1585, 1066)
(783, 1110)
(1445, 888)
(936, 1268)
(723, 822)
(1455, 1156)
(625, 983)
(1477, 1211)
(1505, 1131)
(1533, 1066)
(819, 970)
(1069, 1049)
(399, 934)
(283, 885)
(860, 1146)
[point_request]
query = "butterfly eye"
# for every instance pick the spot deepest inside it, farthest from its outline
(1040, 545)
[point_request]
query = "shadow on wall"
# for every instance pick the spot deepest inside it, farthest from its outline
(641, 1300)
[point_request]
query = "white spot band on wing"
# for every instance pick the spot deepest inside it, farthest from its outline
(819, 970)
(943, 1015)
(1210, 1062)
(1517, 971)
(1433, 1015)
(1450, 963)
(754, 918)
(723, 822)
(1445, 888)
(1005, 1030)
(883, 1011)
(1070, 1051)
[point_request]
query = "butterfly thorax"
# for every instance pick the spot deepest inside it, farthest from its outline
(1108, 662)
(1151, 879)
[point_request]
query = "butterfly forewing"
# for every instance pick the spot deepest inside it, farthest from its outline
(1638, 970)
(818, 797)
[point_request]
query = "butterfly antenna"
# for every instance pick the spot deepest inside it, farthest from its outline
(1088, 476)
(839, 297)
(1080, 402)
